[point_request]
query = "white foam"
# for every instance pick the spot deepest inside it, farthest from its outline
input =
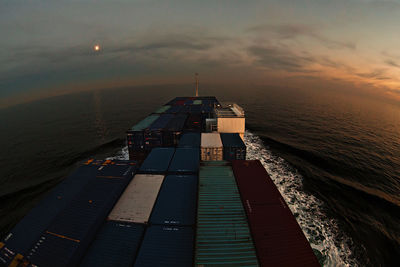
(123, 154)
(322, 233)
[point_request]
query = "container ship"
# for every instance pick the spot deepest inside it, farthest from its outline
(187, 196)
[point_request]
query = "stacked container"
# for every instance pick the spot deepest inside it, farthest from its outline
(269, 216)
(190, 140)
(158, 160)
(64, 227)
(135, 138)
(153, 137)
(173, 130)
(136, 203)
(118, 241)
(211, 147)
(185, 161)
(222, 236)
(234, 147)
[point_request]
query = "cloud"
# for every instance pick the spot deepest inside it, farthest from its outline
(279, 58)
(378, 74)
(392, 63)
(291, 31)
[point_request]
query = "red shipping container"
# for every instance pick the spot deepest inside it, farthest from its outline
(180, 103)
(277, 236)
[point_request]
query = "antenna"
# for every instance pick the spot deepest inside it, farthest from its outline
(197, 83)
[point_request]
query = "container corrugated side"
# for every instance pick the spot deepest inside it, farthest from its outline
(166, 246)
(185, 160)
(158, 160)
(197, 102)
(176, 202)
(78, 222)
(116, 244)
(223, 236)
(269, 216)
(234, 147)
(211, 147)
(136, 203)
(190, 140)
(26, 233)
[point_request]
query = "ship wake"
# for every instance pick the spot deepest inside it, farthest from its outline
(322, 232)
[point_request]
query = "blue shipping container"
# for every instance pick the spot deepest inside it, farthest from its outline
(153, 137)
(190, 140)
(26, 233)
(116, 244)
(166, 246)
(234, 147)
(173, 130)
(185, 160)
(158, 160)
(176, 202)
(79, 221)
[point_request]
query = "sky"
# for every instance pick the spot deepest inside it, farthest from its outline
(46, 47)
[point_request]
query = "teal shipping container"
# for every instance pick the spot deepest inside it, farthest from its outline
(223, 236)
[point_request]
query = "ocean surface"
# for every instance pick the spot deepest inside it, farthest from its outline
(334, 157)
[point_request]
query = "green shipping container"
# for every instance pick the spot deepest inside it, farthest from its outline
(223, 236)
(197, 102)
(146, 122)
(162, 109)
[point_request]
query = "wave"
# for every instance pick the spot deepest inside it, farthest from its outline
(322, 232)
(332, 167)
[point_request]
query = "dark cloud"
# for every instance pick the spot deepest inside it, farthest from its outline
(279, 59)
(291, 31)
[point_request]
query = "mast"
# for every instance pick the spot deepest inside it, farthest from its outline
(197, 83)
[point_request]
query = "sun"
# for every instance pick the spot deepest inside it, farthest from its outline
(96, 47)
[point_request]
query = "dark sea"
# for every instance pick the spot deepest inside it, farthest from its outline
(335, 157)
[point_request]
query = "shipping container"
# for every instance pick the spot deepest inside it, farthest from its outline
(158, 160)
(190, 140)
(185, 160)
(136, 203)
(116, 244)
(71, 231)
(234, 147)
(173, 130)
(176, 202)
(175, 109)
(211, 146)
(162, 109)
(278, 238)
(173, 101)
(179, 103)
(166, 246)
(194, 123)
(135, 136)
(153, 137)
(138, 155)
(223, 236)
(197, 102)
(28, 231)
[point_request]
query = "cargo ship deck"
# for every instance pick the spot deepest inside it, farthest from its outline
(187, 196)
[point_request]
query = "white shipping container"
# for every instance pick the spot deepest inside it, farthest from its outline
(137, 201)
(231, 125)
(211, 147)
